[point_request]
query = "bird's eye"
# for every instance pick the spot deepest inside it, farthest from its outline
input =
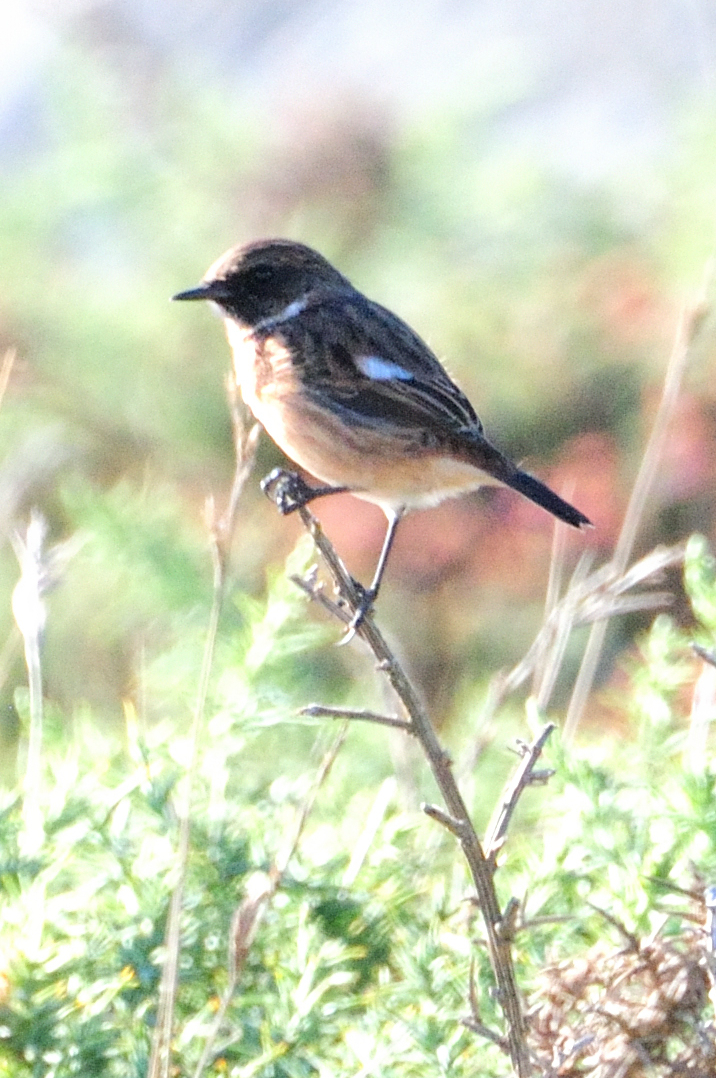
(261, 281)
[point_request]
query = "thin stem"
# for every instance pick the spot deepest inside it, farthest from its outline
(160, 1061)
(590, 597)
(6, 370)
(30, 611)
(221, 532)
(32, 813)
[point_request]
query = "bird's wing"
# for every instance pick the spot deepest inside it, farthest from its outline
(360, 359)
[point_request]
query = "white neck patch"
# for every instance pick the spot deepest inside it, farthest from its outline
(295, 307)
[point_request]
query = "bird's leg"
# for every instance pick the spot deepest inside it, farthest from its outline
(290, 492)
(369, 595)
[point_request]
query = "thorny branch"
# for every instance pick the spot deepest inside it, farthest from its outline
(524, 776)
(315, 711)
(456, 819)
(591, 597)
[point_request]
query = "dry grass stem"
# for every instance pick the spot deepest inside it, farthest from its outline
(687, 330)
(41, 568)
(29, 609)
(8, 363)
(591, 597)
(221, 531)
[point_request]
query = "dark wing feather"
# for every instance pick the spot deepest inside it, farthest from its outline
(419, 405)
(335, 330)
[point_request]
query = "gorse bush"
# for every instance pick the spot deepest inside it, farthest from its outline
(363, 957)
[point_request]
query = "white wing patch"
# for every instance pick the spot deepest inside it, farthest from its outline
(382, 370)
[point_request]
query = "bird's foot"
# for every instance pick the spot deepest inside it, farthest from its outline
(289, 492)
(364, 607)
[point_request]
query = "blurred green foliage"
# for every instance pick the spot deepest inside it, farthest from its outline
(554, 304)
(346, 971)
(551, 301)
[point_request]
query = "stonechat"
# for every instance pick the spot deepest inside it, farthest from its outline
(350, 392)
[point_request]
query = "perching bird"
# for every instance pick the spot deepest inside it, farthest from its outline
(350, 392)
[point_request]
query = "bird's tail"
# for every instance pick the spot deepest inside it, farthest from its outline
(473, 446)
(539, 493)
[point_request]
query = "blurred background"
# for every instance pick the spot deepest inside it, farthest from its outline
(530, 183)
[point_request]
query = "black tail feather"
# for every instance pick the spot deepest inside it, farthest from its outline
(539, 493)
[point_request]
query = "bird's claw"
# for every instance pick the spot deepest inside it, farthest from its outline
(287, 490)
(364, 607)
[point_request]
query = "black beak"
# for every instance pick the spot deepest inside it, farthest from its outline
(202, 291)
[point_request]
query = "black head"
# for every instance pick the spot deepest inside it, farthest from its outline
(259, 280)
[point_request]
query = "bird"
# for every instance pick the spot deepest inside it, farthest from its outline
(351, 394)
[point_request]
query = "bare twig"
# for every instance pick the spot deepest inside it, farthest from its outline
(522, 778)
(475, 1022)
(160, 1060)
(704, 653)
(484, 1031)
(314, 591)
(282, 861)
(455, 827)
(546, 668)
(440, 763)
(631, 939)
(245, 444)
(316, 711)
(372, 823)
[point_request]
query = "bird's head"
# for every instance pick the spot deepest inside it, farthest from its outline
(261, 280)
